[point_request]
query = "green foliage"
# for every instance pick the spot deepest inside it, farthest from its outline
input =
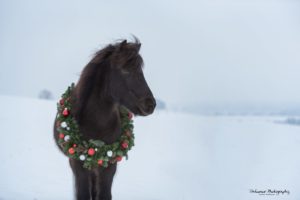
(81, 146)
(97, 143)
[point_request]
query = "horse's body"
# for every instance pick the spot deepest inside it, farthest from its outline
(112, 78)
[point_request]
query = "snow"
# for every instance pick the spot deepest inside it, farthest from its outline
(177, 156)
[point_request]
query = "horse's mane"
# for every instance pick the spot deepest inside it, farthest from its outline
(93, 77)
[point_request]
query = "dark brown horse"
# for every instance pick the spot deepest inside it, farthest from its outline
(113, 78)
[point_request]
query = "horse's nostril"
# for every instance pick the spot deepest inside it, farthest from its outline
(150, 104)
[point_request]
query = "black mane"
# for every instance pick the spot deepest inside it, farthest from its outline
(94, 76)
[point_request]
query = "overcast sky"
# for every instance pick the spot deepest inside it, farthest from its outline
(195, 51)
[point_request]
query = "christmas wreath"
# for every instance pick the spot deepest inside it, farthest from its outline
(92, 152)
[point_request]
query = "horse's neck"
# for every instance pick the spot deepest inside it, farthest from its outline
(100, 120)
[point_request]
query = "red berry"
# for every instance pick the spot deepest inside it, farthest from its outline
(130, 115)
(119, 158)
(65, 112)
(71, 150)
(61, 102)
(125, 145)
(91, 151)
(61, 136)
(100, 162)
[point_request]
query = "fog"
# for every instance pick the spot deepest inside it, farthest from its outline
(196, 52)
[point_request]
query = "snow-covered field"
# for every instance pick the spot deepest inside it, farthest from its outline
(177, 156)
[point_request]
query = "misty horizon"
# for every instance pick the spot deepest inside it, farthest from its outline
(195, 52)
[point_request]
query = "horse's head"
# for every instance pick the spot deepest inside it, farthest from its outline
(127, 82)
(115, 74)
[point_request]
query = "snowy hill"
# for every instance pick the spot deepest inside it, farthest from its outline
(177, 156)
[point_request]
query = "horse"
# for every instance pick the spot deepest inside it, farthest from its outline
(113, 78)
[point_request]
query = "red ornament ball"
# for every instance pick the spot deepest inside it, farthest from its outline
(130, 115)
(71, 150)
(61, 102)
(74, 145)
(125, 145)
(65, 112)
(61, 136)
(100, 162)
(91, 151)
(119, 158)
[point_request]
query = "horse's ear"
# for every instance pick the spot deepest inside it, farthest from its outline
(122, 45)
(124, 42)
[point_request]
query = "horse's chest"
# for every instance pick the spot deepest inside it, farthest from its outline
(108, 133)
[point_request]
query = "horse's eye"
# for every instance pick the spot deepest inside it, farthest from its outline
(125, 72)
(130, 69)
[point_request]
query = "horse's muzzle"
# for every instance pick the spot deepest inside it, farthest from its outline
(147, 105)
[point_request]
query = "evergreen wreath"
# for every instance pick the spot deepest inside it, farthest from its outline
(92, 152)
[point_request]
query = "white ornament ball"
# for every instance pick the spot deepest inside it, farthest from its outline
(67, 138)
(109, 153)
(96, 149)
(68, 128)
(82, 157)
(63, 124)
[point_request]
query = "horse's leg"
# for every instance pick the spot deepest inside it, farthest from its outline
(104, 180)
(95, 184)
(82, 183)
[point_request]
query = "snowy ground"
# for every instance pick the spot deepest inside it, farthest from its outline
(177, 156)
